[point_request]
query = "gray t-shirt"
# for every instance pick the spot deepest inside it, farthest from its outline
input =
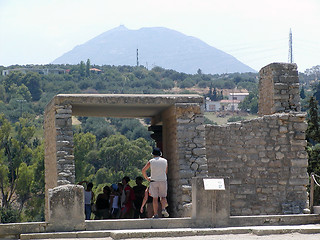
(158, 166)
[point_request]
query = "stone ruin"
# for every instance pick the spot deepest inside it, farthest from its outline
(264, 159)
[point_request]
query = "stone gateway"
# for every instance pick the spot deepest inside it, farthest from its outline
(264, 158)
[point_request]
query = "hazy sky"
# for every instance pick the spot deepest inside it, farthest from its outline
(256, 32)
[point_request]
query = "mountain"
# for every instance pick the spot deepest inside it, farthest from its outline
(157, 46)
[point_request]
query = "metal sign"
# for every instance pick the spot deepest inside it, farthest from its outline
(214, 184)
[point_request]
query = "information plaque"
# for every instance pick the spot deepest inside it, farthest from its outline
(214, 184)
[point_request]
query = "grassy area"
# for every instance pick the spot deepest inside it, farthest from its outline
(222, 117)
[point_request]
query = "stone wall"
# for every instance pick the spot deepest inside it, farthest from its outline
(266, 161)
(184, 147)
(278, 89)
(59, 159)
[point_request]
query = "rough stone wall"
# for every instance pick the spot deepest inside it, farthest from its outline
(266, 161)
(59, 159)
(184, 147)
(191, 150)
(278, 89)
(65, 151)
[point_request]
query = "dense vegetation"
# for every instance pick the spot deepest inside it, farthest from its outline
(106, 149)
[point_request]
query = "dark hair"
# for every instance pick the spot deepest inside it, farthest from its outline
(126, 178)
(156, 152)
(90, 185)
(139, 178)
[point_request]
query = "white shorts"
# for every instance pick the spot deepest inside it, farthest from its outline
(158, 189)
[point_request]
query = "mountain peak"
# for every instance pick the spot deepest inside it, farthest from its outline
(158, 46)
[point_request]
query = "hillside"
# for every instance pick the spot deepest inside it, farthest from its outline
(157, 46)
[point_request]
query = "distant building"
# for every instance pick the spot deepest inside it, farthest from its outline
(212, 106)
(231, 104)
(238, 96)
(95, 70)
(36, 70)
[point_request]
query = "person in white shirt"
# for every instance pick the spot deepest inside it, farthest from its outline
(158, 181)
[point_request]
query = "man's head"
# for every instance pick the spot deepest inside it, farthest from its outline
(156, 152)
(89, 186)
(139, 180)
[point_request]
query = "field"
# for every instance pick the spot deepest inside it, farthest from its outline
(222, 117)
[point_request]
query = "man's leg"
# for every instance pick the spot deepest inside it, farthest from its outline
(164, 202)
(155, 206)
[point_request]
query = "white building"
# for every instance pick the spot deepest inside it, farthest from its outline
(237, 96)
(232, 104)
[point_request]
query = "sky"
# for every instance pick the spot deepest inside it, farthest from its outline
(256, 32)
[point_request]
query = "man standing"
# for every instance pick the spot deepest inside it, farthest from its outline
(139, 191)
(158, 181)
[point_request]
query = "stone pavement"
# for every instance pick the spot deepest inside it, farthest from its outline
(310, 232)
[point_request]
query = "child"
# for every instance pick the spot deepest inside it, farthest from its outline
(114, 201)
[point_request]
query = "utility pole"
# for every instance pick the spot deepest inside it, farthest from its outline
(137, 57)
(290, 57)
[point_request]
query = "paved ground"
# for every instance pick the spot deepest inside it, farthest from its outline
(290, 236)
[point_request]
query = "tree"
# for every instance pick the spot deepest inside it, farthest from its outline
(88, 66)
(250, 103)
(15, 155)
(120, 154)
(32, 81)
(82, 69)
(313, 131)
(302, 93)
(83, 144)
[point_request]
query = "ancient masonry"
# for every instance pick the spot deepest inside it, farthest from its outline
(183, 136)
(264, 159)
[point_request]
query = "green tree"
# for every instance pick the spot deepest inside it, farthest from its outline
(83, 144)
(32, 81)
(313, 131)
(24, 183)
(88, 66)
(302, 93)
(250, 103)
(82, 69)
(120, 154)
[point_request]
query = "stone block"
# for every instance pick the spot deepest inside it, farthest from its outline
(210, 208)
(66, 208)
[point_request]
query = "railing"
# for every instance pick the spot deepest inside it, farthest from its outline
(313, 182)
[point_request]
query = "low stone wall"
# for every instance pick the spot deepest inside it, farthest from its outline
(266, 161)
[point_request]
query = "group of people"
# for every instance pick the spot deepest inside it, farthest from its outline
(122, 201)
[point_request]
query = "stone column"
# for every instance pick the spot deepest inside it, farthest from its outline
(184, 147)
(210, 208)
(279, 89)
(59, 158)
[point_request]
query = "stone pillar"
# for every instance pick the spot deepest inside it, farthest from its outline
(59, 158)
(210, 208)
(184, 147)
(66, 208)
(279, 89)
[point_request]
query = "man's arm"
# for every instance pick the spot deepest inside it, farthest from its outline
(144, 171)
